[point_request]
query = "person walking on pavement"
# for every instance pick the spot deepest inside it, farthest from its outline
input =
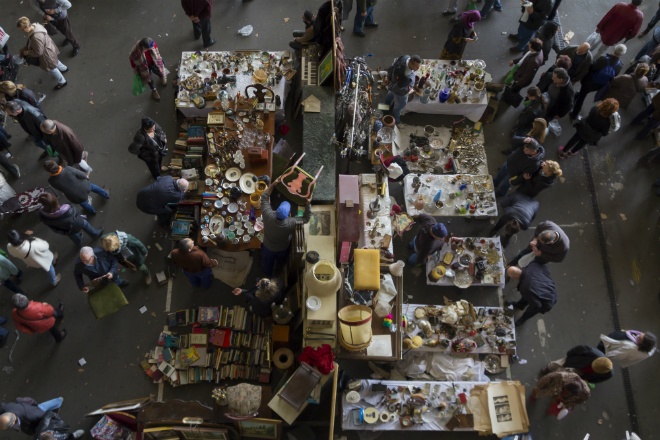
(194, 262)
(652, 23)
(306, 36)
(156, 198)
(623, 21)
(603, 119)
(65, 220)
(560, 95)
(3, 333)
(429, 239)
(278, 230)
(533, 17)
(519, 212)
(129, 251)
(25, 413)
(649, 47)
(32, 317)
(543, 179)
(461, 33)
(364, 16)
(536, 288)
(55, 13)
(486, 8)
(651, 114)
(74, 184)
(199, 12)
(265, 293)
(150, 145)
(42, 47)
(587, 362)
(34, 252)
(66, 144)
(100, 267)
(30, 119)
(580, 61)
(5, 154)
(11, 91)
(628, 347)
(625, 87)
(526, 158)
(400, 79)
(562, 386)
(549, 245)
(602, 71)
(534, 108)
(145, 59)
(8, 270)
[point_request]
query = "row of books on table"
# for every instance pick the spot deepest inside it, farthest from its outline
(234, 317)
(205, 338)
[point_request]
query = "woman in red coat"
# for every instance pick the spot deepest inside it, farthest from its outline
(32, 317)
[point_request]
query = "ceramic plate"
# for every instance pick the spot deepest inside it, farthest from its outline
(225, 200)
(211, 170)
(208, 182)
(313, 303)
(463, 279)
(248, 186)
(218, 204)
(216, 224)
(232, 208)
(205, 232)
(436, 144)
(233, 174)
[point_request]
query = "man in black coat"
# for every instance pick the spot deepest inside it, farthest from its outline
(581, 60)
(536, 16)
(526, 159)
(96, 263)
(429, 239)
(154, 199)
(529, 66)
(560, 95)
(519, 211)
(25, 414)
(587, 362)
(549, 245)
(537, 290)
(30, 119)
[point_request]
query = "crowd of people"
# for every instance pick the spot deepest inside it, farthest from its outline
(596, 65)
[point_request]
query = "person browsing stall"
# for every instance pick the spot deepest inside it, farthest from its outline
(400, 79)
(537, 290)
(429, 240)
(262, 295)
(306, 36)
(549, 245)
(195, 263)
(96, 263)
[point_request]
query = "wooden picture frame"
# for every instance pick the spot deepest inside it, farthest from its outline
(215, 118)
(259, 428)
(204, 434)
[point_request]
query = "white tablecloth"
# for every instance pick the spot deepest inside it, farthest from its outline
(366, 196)
(443, 182)
(446, 281)
(435, 421)
(409, 311)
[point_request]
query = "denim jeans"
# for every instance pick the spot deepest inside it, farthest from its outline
(57, 72)
(77, 238)
(4, 162)
(647, 49)
(51, 405)
(524, 35)
(3, 137)
(270, 258)
(52, 275)
(11, 286)
(651, 124)
(488, 5)
(204, 278)
(412, 260)
(503, 179)
(38, 141)
(360, 21)
(399, 104)
(97, 190)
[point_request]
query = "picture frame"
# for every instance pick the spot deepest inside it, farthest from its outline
(203, 434)
(259, 428)
(215, 118)
(161, 433)
(325, 68)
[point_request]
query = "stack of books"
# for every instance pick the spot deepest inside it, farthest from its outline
(234, 317)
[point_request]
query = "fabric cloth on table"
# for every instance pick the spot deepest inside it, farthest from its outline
(320, 357)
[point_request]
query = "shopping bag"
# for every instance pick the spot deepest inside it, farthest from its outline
(594, 41)
(138, 87)
(511, 97)
(471, 6)
(554, 127)
(509, 76)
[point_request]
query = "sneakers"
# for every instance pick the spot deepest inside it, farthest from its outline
(147, 280)
(155, 95)
(64, 333)
(17, 171)
(360, 34)
(448, 12)
(58, 278)
(124, 283)
(512, 303)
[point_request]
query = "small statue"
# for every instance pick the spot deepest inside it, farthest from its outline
(374, 208)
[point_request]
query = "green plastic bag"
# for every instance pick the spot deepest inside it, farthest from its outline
(509, 76)
(51, 152)
(138, 87)
(471, 6)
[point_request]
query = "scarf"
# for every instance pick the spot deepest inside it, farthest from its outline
(123, 242)
(470, 18)
(140, 61)
(525, 56)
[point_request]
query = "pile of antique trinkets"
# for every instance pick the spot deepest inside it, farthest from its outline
(465, 260)
(451, 81)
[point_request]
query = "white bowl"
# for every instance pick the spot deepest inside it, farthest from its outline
(313, 303)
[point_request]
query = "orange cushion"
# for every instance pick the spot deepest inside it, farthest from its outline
(367, 269)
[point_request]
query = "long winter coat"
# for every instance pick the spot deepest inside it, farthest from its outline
(40, 45)
(37, 318)
(34, 253)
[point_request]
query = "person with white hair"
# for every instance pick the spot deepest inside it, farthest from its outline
(32, 317)
(155, 198)
(99, 265)
(602, 71)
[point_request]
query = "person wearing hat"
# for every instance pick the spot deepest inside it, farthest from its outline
(537, 290)
(129, 251)
(306, 36)
(429, 240)
(278, 229)
(195, 263)
(589, 363)
(145, 59)
(25, 413)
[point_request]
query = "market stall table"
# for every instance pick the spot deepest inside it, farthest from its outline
(493, 264)
(224, 214)
(453, 201)
(488, 318)
(473, 107)
(374, 231)
(244, 77)
(434, 420)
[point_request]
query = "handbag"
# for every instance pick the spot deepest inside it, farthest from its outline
(512, 98)
(50, 28)
(509, 76)
(244, 401)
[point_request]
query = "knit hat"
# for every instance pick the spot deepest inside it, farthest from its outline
(309, 15)
(283, 210)
(602, 365)
(439, 230)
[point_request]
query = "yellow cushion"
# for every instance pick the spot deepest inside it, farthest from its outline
(367, 269)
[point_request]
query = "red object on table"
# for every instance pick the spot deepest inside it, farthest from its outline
(322, 358)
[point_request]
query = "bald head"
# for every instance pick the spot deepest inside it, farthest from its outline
(7, 420)
(186, 245)
(183, 184)
(583, 48)
(514, 272)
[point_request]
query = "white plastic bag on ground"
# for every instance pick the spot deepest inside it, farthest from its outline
(554, 127)
(245, 31)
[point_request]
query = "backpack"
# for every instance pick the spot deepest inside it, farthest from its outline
(605, 75)
(397, 69)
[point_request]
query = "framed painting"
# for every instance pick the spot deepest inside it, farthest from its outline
(259, 428)
(325, 68)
